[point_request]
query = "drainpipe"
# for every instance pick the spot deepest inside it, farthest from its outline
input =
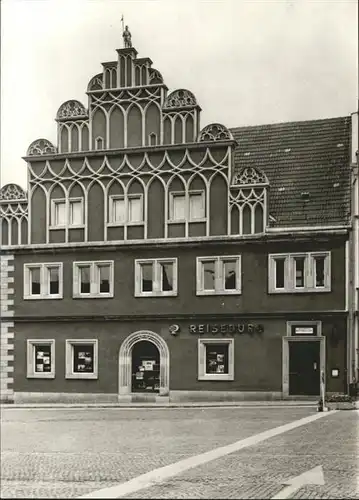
(353, 326)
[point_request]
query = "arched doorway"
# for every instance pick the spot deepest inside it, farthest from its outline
(145, 367)
(136, 349)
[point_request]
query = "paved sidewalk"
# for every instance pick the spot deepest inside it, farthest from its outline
(219, 404)
(68, 452)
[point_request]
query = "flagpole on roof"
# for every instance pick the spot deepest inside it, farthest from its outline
(123, 24)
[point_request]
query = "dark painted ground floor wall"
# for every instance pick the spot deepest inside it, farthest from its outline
(257, 353)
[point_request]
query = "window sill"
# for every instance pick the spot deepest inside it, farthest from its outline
(42, 297)
(49, 375)
(183, 221)
(156, 294)
(220, 292)
(123, 224)
(80, 226)
(300, 290)
(93, 296)
(215, 376)
(88, 376)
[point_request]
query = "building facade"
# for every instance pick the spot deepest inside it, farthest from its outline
(152, 259)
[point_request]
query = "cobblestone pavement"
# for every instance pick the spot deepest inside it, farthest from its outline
(68, 453)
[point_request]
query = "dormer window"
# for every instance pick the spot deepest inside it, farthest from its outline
(99, 143)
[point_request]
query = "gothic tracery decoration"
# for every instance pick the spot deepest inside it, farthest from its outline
(71, 109)
(215, 132)
(249, 176)
(253, 202)
(41, 147)
(180, 98)
(155, 76)
(95, 83)
(12, 192)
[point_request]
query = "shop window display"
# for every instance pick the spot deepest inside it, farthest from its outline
(216, 358)
(83, 357)
(42, 358)
(145, 367)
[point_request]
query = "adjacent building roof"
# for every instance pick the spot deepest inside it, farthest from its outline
(308, 167)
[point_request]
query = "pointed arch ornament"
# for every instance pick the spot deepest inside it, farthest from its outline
(180, 98)
(41, 147)
(71, 109)
(248, 192)
(250, 176)
(215, 132)
(12, 192)
(125, 361)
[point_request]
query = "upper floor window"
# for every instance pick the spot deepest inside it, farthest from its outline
(219, 275)
(299, 272)
(43, 281)
(126, 209)
(67, 213)
(189, 206)
(93, 279)
(155, 277)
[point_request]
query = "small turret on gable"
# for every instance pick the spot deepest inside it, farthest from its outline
(181, 117)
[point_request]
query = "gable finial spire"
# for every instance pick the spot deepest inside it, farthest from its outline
(127, 43)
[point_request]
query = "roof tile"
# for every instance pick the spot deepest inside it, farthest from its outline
(308, 156)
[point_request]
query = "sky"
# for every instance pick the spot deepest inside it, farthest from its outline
(248, 62)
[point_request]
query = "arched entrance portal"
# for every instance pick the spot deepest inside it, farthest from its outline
(145, 367)
(141, 349)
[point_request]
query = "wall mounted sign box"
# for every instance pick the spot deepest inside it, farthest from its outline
(304, 330)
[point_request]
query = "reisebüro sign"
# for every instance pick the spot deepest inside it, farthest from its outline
(226, 328)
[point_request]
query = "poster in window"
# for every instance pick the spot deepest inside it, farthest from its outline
(83, 359)
(43, 358)
(148, 365)
(217, 358)
(139, 375)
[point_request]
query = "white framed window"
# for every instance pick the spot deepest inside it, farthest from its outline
(219, 275)
(76, 212)
(155, 277)
(67, 213)
(126, 209)
(93, 279)
(191, 206)
(299, 272)
(59, 213)
(43, 281)
(40, 358)
(215, 359)
(197, 208)
(82, 358)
